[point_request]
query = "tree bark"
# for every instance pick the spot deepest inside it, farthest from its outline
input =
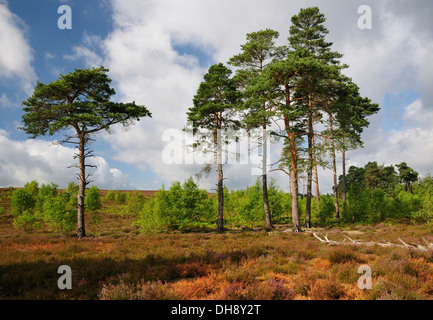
(344, 191)
(265, 180)
(294, 180)
(81, 230)
(296, 225)
(316, 176)
(220, 223)
(334, 171)
(310, 163)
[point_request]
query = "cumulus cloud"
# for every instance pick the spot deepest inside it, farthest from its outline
(147, 65)
(24, 161)
(412, 143)
(16, 55)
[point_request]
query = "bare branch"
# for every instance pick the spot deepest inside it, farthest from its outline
(372, 243)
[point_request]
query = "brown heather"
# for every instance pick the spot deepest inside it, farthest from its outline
(122, 263)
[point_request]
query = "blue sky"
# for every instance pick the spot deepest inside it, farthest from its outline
(157, 53)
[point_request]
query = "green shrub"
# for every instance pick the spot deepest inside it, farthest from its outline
(32, 188)
(93, 202)
(356, 205)
(46, 191)
(326, 208)
(21, 201)
(28, 219)
(121, 197)
(110, 195)
(92, 199)
(134, 205)
(59, 214)
(174, 209)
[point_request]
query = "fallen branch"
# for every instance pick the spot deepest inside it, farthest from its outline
(371, 243)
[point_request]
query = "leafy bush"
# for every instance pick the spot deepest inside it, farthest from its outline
(251, 205)
(326, 208)
(32, 187)
(93, 203)
(121, 197)
(21, 201)
(110, 195)
(356, 205)
(28, 219)
(46, 191)
(59, 214)
(181, 205)
(93, 199)
(135, 205)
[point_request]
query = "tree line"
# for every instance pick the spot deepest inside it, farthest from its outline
(301, 88)
(297, 92)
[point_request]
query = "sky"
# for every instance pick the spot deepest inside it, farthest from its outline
(157, 52)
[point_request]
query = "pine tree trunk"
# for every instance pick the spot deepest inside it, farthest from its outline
(294, 180)
(265, 181)
(334, 171)
(296, 225)
(316, 176)
(220, 184)
(81, 230)
(310, 163)
(343, 196)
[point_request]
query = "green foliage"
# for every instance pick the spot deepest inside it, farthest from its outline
(59, 214)
(135, 204)
(93, 199)
(110, 195)
(79, 97)
(424, 192)
(176, 208)
(279, 201)
(28, 219)
(22, 201)
(355, 208)
(35, 206)
(326, 208)
(93, 203)
(374, 176)
(46, 191)
(407, 176)
(32, 188)
(121, 197)
(378, 206)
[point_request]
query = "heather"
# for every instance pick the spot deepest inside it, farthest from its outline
(121, 261)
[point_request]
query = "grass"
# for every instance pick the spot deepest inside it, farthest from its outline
(122, 263)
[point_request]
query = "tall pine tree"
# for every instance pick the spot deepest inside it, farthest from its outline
(256, 53)
(214, 105)
(307, 34)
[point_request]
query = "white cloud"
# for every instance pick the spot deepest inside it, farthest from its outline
(16, 55)
(87, 51)
(145, 67)
(413, 143)
(24, 161)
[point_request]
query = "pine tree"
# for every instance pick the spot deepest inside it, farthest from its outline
(307, 34)
(214, 105)
(256, 53)
(79, 101)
